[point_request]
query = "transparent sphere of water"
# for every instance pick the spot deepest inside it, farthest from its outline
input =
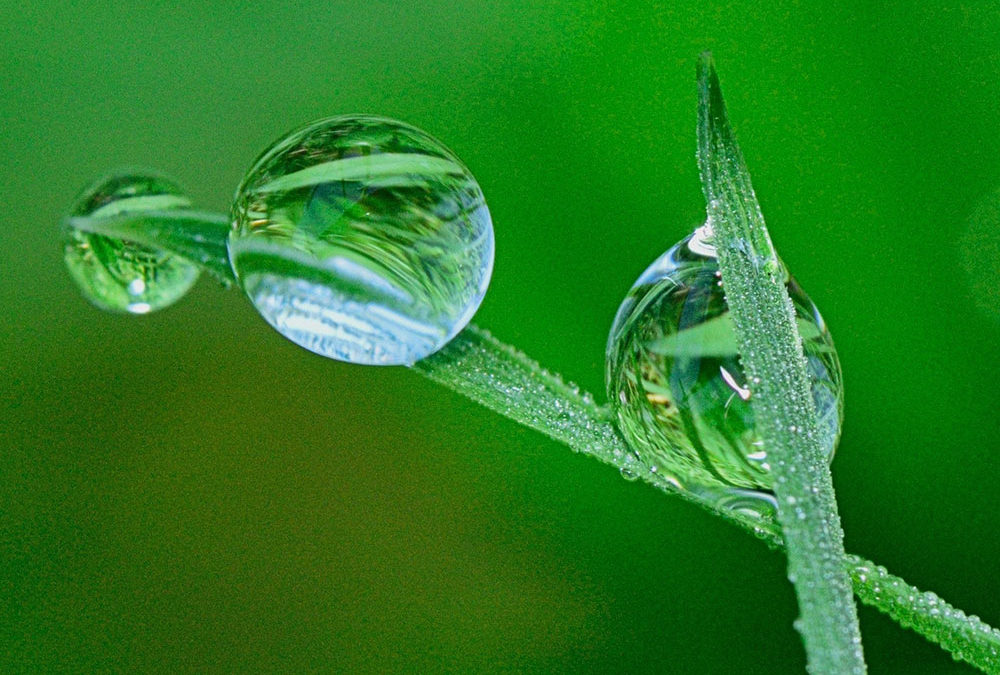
(362, 239)
(117, 275)
(674, 379)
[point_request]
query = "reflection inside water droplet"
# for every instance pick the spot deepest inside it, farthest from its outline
(362, 239)
(123, 276)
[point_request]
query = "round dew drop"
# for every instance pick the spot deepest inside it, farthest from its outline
(681, 399)
(118, 275)
(362, 239)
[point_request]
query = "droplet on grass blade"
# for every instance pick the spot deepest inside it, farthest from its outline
(675, 381)
(362, 239)
(118, 275)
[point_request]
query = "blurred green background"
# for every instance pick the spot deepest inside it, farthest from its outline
(188, 491)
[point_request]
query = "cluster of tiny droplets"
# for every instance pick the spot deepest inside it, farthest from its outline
(967, 637)
(504, 379)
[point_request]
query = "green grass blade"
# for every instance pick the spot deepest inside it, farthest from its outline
(772, 357)
(968, 638)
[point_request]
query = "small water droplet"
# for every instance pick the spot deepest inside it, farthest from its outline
(118, 275)
(675, 380)
(362, 239)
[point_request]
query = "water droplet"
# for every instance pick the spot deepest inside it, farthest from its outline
(362, 239)
(117, 275)
(628, 474)
(680, 394)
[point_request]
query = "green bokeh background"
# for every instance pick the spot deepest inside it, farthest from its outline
(188, 491)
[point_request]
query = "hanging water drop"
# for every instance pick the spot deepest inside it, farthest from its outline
(362, 239)
(680, 396)
(118, 275)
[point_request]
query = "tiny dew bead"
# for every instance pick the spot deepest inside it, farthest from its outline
(362, 239)
(119, 275)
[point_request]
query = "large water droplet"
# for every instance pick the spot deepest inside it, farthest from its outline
(118, 275)
(679, 392)
(362, 239)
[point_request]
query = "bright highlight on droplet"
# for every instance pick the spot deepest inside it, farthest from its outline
(118, 275)
(362, 239)
(674, 378)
